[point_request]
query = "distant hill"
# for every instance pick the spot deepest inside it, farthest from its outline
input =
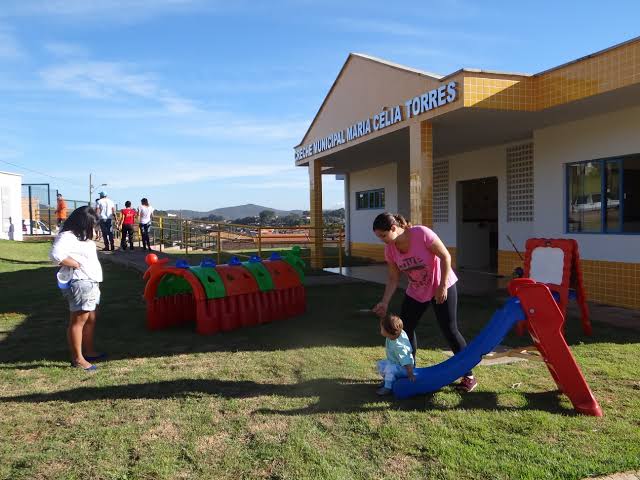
(230, 213)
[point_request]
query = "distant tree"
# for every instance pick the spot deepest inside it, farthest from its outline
(292, 220)
(267, 217)
(246, 221)
(213, 218)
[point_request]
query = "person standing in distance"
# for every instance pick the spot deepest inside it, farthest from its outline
(145, 214)
(61, 209)
(106, 212)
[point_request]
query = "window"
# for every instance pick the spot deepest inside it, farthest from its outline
(604, 196)
(370, 199)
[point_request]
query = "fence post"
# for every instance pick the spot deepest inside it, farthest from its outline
(260, 242)
(161, 235)
(185, 237)
(340, 250)
(219, 246)
(30, 213)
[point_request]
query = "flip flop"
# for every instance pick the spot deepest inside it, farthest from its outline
(92, 368)
(100, 356)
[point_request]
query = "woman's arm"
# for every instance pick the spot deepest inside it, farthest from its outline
(70, 262)
(392, 284)
(440, 251)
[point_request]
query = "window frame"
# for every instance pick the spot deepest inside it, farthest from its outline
(619, 160)
(369, 197)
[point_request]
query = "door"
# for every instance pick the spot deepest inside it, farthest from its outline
(477, 226)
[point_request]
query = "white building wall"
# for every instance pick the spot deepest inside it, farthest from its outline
(602, 136)
(10, 206)
(487, 162)
(385, 177)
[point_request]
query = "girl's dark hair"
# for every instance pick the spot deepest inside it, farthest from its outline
(127, 204)
(81, 223)
(386, 220)
(145, 202)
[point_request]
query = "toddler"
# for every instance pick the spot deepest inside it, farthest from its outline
(399, 362)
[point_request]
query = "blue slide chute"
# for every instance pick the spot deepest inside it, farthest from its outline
(433, 378)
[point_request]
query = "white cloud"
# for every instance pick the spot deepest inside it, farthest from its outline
(248, 129)
(151, 167)
(297, 185)
(94, 79)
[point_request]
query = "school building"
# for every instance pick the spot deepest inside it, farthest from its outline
(488, 158)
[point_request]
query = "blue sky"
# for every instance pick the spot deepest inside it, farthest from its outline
(197, 104)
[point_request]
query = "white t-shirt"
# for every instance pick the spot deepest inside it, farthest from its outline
(106, 208)
(66, 245)
(145, 214)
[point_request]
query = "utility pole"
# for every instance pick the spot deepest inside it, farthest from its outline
(90, 189)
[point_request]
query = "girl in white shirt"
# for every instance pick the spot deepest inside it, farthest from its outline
(74, 250)
(145, 214)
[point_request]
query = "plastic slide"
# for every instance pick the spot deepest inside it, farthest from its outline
(433, 378)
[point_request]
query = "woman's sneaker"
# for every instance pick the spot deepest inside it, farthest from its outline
(468, 384)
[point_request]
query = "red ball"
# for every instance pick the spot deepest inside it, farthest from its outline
(151, 259)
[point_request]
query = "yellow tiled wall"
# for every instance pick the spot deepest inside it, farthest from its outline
(612, 283)
(375, 251)
(315, 210)
(600, 73)
(421, 179)
(508, 260)
(501, 92)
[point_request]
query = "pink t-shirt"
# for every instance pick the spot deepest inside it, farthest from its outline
(419, 263)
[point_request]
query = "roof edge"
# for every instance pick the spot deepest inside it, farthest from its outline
(591, 55)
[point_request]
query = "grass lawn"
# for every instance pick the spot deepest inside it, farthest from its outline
(292, 399)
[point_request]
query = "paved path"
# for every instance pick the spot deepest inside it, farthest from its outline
(618, 476)
(135, 259)
(616, 316)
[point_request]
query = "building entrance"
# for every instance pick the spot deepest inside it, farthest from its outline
(477, 225)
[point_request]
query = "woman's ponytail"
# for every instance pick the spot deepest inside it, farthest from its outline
(386, 220)
(401, 221)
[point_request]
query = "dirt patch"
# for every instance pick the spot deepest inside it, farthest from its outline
(400, 466)
(212, 443)
(165, 430)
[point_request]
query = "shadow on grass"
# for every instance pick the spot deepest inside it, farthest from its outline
(333, 395)
(23, 262)
(331, 320)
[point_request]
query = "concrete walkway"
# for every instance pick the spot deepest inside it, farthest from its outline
(618, 476)
(471, 283)
(135, 259)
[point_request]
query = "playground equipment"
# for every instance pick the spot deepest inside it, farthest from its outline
(533, 303)
(556, 263)
(224, 297)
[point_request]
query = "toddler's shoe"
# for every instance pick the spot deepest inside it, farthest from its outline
(383, 391)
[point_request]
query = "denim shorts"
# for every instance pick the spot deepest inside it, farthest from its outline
(82, 295)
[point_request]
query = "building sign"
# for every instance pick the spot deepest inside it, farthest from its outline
(438, 97)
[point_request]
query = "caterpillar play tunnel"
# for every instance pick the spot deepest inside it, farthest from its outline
(224, 297)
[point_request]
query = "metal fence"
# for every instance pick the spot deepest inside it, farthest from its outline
(36, 209)
(39, 207)
(222, 240)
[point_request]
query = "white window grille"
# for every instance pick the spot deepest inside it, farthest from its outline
(520, 183)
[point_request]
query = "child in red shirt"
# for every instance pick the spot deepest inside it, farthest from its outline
(127, 221)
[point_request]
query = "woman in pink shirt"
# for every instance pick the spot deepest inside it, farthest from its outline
(421, 255)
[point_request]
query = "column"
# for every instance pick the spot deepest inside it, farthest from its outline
(315, 211)
(421, 173)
